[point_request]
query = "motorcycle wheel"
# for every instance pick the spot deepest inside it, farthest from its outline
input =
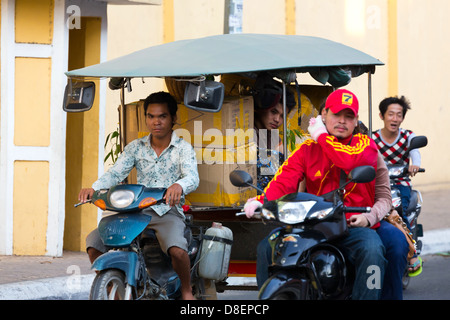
(108, 285)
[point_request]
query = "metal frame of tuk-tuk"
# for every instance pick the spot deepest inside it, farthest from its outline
(240, 225)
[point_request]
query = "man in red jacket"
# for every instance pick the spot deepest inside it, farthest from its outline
(319, 161)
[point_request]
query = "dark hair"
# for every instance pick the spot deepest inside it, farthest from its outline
(162, 97)
(268, 92)
(385, 103)
(267, 98)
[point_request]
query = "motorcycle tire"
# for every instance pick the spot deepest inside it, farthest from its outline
(108, 285)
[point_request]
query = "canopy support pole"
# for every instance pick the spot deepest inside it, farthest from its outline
(122, 120)
(370, 103)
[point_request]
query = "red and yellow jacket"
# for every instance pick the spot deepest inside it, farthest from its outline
(320, 163)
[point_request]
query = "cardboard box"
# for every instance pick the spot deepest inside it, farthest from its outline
(214, 168)
(230, 127)
(133, 119)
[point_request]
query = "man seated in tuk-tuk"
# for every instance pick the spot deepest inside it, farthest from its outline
(268, 106)
(162, 159)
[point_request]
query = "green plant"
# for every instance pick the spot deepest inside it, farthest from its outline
(290, 136)
(114, 146)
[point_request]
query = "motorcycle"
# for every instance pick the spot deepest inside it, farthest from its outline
(410, 214)
(307, 265)
(135, 267)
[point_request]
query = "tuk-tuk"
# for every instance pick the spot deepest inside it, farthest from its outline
(192, 69)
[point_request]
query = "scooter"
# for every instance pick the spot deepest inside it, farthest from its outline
(135, 267)
(307, 265)
(410, 214)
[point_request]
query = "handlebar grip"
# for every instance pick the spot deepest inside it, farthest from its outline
(81, 203)
(357, 209)
(421, 170)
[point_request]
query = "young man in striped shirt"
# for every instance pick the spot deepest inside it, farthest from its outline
(393, 142)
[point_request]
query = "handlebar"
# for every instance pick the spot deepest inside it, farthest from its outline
(357, 209)
(421, 170)
(257, 214)
(81, 203)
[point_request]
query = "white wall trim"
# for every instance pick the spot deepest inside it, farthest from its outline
(57, 174)
(7, 126)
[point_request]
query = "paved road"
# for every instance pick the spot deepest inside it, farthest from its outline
(432, 284)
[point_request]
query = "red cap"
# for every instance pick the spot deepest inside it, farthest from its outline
(342, 99)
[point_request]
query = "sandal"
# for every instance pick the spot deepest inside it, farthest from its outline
(413, 266)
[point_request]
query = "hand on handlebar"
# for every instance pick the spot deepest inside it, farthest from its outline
(85, 194)
(413, 170)
(358, 220)
(252, 207)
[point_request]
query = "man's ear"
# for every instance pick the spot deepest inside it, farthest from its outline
(381, 116)
(324, 114)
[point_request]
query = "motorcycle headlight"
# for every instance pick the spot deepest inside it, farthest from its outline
(294, 212)
(121, 198)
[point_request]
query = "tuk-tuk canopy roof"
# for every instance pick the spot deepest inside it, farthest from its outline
(232, 53)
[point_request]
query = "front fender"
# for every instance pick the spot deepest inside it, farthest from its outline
(289, 247)
(285, 282)
(122, 260)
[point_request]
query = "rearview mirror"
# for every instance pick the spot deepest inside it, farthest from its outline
(79, 96)
(240, 178)
(206, 95)
(362, 174)
(418, 142)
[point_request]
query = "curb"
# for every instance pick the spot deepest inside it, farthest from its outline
(60, 288)
(436, 241)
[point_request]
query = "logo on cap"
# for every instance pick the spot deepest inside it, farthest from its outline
(347, 99)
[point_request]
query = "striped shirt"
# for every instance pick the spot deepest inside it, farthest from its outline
(395, 153)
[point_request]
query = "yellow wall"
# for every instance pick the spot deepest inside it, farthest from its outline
(32, 102)
(82, 139)
(30, 207)
(34, 21)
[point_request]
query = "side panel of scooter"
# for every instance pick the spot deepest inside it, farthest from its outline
(123, 260)
(119, 230)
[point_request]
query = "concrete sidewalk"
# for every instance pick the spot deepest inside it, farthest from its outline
(70, 276)
(40, 277)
